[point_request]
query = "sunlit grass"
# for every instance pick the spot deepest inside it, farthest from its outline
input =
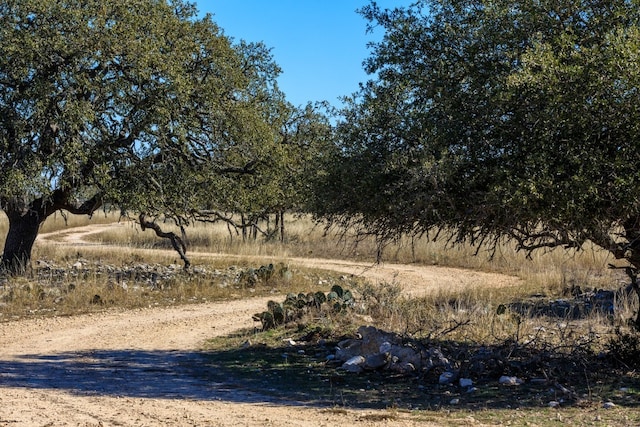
(543, 271)
(549, 273)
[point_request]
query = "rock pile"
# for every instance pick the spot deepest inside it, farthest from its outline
(53, 279)
(377, 349)
(141, 274)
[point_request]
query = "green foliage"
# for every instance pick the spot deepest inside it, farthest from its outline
(296, 306)
(340, 299)
(624, 347)
(496, 120)
(145, 106)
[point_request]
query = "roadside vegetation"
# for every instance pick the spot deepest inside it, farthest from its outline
(563, 354)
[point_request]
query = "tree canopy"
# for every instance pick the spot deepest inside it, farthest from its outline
(497, 120)
(135, 103)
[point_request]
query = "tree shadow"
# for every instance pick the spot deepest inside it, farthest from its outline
(280, 375)
(129, 373)
(302, 373)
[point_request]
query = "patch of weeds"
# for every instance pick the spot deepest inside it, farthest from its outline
(624, 347)
(85, 285)
(379, 417)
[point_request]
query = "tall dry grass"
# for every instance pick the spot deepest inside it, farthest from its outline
(469, 314)
(546, 271)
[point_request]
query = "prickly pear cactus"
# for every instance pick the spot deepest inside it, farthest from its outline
(295, 306)
(264, 274)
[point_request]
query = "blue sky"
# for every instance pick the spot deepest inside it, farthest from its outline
(319, 44)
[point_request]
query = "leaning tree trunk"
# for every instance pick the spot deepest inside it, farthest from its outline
(23, 230)
(177, 243)
(25, 220)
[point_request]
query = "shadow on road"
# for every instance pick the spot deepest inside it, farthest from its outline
(261, 375)
(131, 373)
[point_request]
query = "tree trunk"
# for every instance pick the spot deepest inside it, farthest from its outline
(24, 223)
(177, 242)
(281, 214)
(23, 230)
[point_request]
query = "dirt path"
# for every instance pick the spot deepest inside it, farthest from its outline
(140, 368)
(416, 280)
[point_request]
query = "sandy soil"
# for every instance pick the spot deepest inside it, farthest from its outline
(140, 368)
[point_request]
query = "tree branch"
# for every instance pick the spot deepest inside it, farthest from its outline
(247, 169)
(87, 208)
(177, 243)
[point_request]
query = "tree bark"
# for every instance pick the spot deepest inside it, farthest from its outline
(23, 230)
(177, 243)
(632, 272)
(24, 224)
(281, 215)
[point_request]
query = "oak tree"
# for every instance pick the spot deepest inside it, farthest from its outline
(137, 103)
(497, 119)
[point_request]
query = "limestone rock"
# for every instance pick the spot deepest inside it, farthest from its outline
(355, 364)
(376, 361)
(506, 380)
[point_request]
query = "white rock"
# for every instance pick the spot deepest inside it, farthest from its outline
(506, 380)
(354, 364)
(454, 401)
(446, 378)
(385, 347)
(554, 404)
(466, 382)
(608, 405)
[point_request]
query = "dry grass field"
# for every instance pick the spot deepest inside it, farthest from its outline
(549, 273)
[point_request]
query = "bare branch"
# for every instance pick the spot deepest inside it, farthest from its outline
(177, 243)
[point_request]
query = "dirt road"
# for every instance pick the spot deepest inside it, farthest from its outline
(141, 368)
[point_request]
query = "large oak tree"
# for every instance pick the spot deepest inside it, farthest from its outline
(498, 119)
(138, 103)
